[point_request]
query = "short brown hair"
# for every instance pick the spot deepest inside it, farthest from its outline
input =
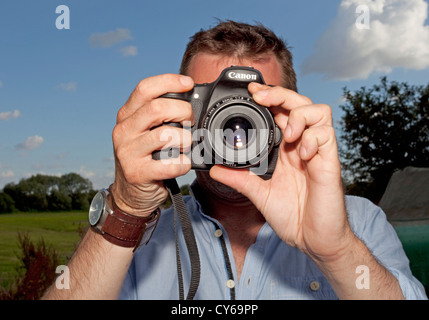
(241, 40)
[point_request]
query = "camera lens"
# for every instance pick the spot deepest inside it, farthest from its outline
(237, 132)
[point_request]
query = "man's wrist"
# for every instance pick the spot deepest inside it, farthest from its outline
(116, 199)
(117, 226)
(351, 247)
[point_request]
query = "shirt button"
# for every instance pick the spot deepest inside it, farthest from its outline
(218, 233)
(230, 284)
(314, 285)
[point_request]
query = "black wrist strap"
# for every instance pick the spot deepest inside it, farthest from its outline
(191, 244)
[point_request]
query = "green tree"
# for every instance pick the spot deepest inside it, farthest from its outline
(43, 192)
(77, 188)
(385, 128)
(6, 203)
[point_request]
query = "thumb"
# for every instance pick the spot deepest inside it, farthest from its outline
(244, 181)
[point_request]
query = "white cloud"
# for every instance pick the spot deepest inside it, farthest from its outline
(397, 38)
(30, 143)
(129, 51)
(69, 86)
(86, 173)
(7, 174)
(9, 115)
(109, 39)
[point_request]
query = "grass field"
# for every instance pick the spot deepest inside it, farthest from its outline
(61, 229)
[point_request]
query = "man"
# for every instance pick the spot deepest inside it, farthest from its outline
(293, 236)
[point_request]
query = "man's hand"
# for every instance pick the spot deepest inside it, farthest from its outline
(303, 201)
(138, 187)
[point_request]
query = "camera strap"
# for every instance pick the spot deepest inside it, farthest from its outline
(188, 233)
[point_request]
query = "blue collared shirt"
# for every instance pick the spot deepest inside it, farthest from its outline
(272, 269)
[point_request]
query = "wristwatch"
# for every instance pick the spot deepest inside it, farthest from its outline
(118, 227)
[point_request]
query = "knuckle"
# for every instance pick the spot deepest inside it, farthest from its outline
(121, 115)
(330, 131)
(121, 154)
(326, 109)
(156, 108)
(116, 132)
(141, 87)
(307, 100)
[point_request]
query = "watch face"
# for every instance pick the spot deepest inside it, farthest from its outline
(96, 209)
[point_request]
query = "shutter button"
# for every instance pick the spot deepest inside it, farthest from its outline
(314, 286)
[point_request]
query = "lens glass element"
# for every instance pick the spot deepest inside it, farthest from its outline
(237, 131)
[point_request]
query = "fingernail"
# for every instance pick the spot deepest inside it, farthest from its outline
(186, 81)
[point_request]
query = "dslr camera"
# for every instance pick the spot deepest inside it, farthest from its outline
(230, 128)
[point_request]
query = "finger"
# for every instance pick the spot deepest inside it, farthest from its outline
(157, 139)
(306, 116)
(318, 141)
(277, 96)
(169, 168)
(147, 171)
(243, 181)
(155, 113)
(166, 137)
(318, 148)
(138, 166)
(151, 88)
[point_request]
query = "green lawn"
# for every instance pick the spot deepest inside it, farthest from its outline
(61, 229)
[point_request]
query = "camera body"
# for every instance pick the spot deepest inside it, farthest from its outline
(230, 128)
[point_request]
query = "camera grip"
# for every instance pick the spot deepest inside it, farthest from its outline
(172, 152)
(168, 153)
(186, 96)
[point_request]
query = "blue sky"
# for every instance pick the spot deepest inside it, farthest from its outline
(60, 90)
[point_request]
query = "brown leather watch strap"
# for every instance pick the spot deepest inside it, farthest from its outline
(122, 230)
(127, 230)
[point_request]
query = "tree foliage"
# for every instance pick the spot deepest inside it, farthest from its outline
(385, 128)
(47, 193)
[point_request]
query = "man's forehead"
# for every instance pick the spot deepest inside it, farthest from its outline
(206, 68)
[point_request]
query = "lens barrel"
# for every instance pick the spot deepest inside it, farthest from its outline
(240, 132)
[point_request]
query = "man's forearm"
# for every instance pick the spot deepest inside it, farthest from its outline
(359, 276)
(97, 270)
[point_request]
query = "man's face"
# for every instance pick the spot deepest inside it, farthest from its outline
(206, 68)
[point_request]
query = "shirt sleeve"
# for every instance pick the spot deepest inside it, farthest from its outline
(370, 224)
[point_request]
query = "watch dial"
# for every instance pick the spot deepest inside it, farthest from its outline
(96, 209)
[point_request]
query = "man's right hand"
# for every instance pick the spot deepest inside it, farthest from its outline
(138, 188)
